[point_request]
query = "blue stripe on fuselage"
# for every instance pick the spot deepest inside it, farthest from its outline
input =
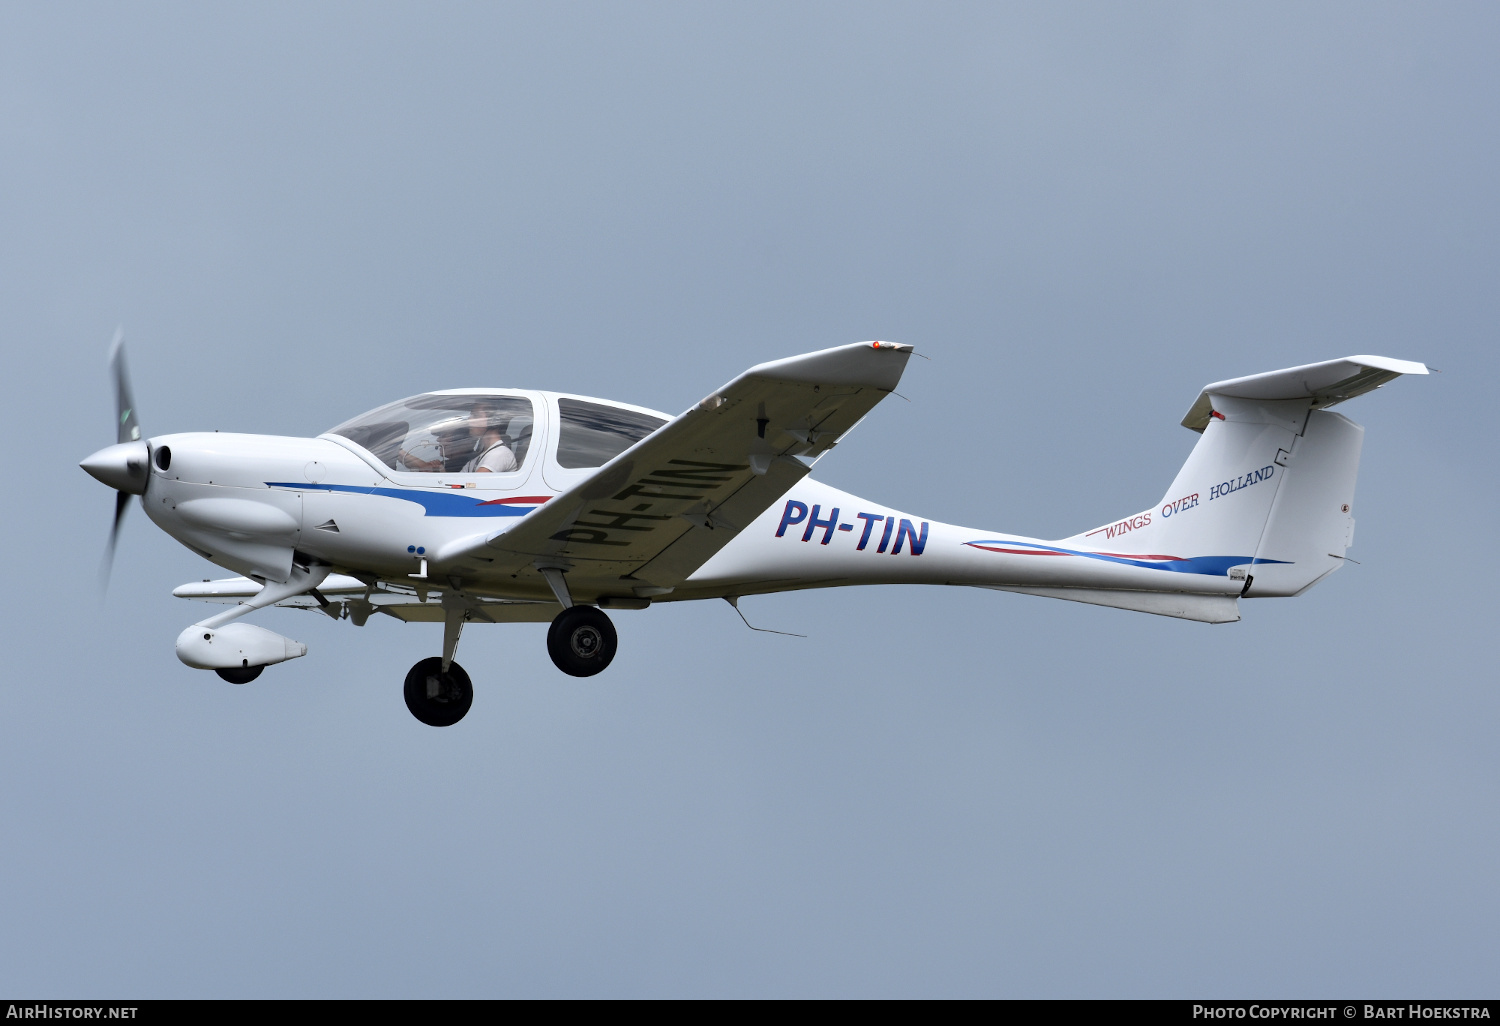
(1213, 566)
(450, 503)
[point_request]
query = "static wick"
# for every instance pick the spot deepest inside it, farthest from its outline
(735, 602)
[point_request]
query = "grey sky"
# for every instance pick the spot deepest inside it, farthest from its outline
(1081, 213)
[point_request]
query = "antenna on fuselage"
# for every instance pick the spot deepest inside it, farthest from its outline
(734, 600)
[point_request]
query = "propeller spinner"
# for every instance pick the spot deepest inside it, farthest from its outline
(122, 466)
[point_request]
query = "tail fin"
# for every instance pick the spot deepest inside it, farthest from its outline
(1266, 494)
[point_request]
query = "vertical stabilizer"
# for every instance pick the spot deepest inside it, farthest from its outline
(1267, 494)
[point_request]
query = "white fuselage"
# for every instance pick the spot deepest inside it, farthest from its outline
(250, 502)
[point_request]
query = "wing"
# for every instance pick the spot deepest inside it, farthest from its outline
(341, 596)
(661, 509)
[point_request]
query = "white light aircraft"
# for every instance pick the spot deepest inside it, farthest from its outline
(494, 505)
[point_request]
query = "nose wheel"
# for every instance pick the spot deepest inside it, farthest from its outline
(436, 697)
(581, 641)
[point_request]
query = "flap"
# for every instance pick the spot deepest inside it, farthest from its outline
(1326, 383)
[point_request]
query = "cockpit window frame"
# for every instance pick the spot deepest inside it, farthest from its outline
(554, 474)
(576, 455)
(459, 398)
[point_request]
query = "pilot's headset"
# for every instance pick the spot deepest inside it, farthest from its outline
(487, 409)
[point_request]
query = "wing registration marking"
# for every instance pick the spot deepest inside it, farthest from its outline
(676, 482)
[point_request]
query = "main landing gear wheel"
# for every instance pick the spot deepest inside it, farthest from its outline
(436, 698)
(240, 674)
(581, 641)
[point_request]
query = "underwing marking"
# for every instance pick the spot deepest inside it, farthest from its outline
(621, 520)
(659, 484)
(590, 537)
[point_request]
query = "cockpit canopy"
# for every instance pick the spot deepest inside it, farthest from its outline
(446, 434)
(468, 433)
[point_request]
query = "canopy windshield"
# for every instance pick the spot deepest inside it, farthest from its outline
(446, 434)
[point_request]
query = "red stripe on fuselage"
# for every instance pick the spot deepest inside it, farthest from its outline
(1132, 555)
(518, 500)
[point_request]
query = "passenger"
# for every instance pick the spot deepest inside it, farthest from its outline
(491, 455)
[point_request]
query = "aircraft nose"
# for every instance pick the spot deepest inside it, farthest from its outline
(122, 467)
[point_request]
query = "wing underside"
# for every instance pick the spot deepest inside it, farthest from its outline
(343, 597)
(658, 511)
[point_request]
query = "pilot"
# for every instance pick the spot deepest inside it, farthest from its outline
(491, 454)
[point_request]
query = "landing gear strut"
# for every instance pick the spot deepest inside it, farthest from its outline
(581, 641)
(437, 697)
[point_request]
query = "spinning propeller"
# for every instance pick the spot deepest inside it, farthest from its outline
(122, 466)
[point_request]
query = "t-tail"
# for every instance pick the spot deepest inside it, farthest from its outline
(1267, 495)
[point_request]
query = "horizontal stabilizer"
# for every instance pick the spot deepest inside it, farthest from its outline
(1203, 608)
(1326, 383)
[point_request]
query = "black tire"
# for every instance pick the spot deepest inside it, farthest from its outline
(436, 698)
(240, 674)
(581, 641)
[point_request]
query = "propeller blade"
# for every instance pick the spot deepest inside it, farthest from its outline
(122, 503)
(127, 429)
(127, 424)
